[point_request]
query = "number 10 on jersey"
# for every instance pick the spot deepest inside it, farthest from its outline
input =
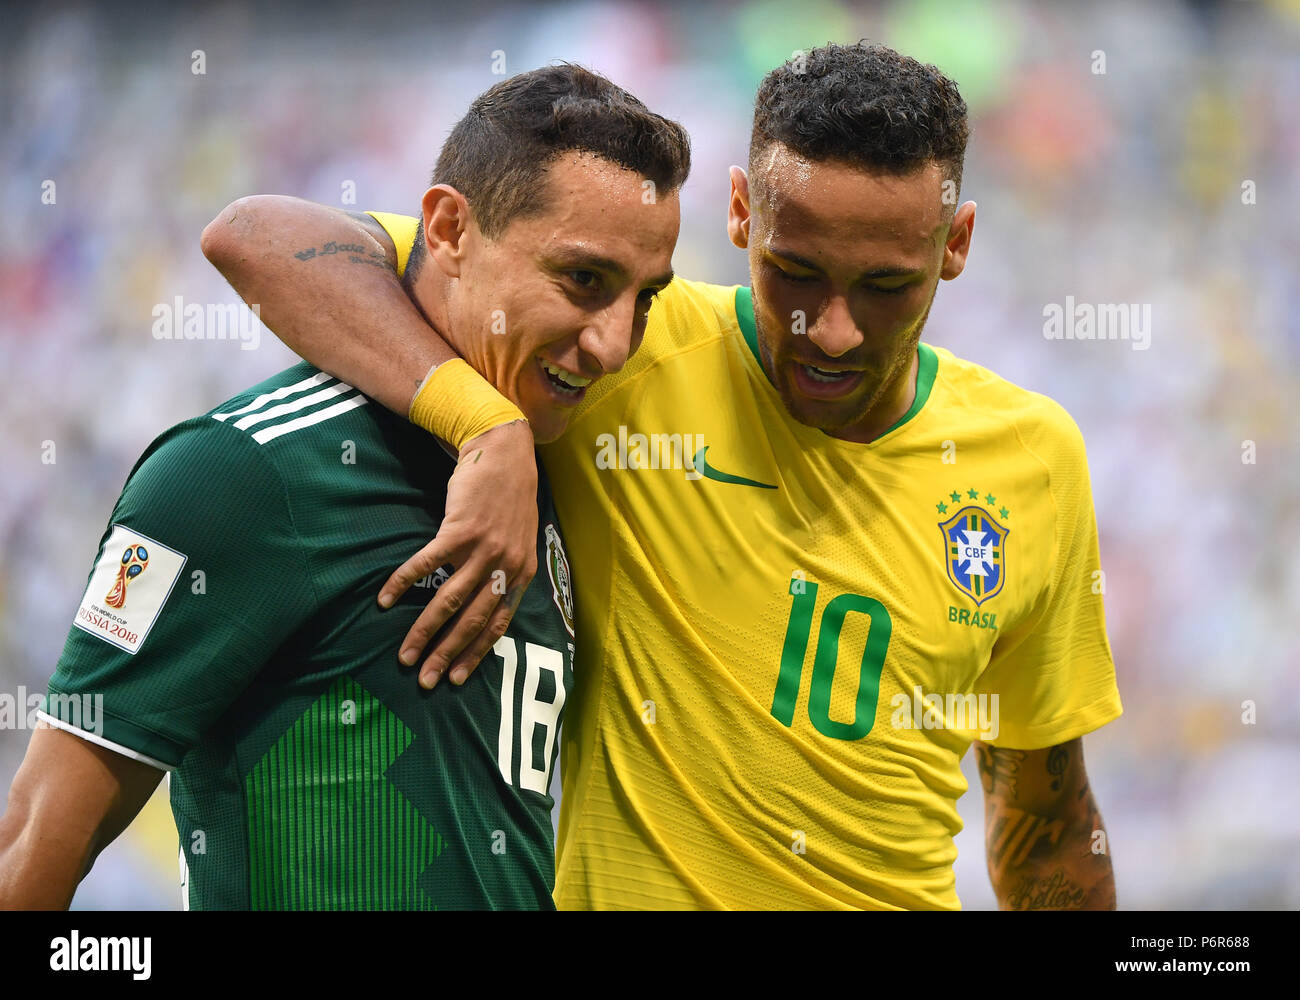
(797, 633)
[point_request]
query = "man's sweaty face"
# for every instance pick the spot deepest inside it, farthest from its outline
(845, 263)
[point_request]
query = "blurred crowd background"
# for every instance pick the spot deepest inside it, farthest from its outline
(1124, 185)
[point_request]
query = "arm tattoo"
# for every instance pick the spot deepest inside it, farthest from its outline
(1045, 841)
(1013, 834)
(999, 769)
(353, 250)
(1055, 892)
(1058, 759)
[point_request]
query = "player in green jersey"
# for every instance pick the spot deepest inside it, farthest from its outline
(229, 632)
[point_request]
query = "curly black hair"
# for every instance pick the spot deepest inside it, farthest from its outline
(864, 105)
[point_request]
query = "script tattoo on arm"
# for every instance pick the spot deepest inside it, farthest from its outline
(357, 253)
(1046, 845)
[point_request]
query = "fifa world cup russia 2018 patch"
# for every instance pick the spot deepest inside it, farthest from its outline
(128, 587)
(975, 543)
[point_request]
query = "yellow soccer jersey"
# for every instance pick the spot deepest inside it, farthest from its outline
(786, 641)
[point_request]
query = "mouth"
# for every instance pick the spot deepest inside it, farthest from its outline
(825, 383)
(566, 387)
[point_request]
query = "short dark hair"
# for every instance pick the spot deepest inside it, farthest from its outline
(498, 154)
(864, 105)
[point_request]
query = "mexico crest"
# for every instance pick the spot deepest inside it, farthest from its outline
(975, 552)
(557, 565)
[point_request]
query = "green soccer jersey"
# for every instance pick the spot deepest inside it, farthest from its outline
(229, 633)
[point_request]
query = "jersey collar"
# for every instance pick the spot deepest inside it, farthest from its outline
(927, 367)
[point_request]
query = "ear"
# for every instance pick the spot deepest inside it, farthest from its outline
(957, 246)
(446, 228)
(738, 209)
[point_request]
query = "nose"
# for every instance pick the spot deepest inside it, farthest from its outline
(607, 337)
(834, 330)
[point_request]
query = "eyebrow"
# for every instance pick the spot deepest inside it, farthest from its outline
(879, 272)
(573, 257)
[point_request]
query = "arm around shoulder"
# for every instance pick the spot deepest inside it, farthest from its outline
(325, 282)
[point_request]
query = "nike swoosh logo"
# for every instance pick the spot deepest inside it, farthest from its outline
(703, 467)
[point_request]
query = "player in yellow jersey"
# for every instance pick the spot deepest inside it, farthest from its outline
(814, 558)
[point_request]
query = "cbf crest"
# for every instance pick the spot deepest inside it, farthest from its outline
(975, 547)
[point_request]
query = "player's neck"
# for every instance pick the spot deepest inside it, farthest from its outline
(894, 402)
(430, 295)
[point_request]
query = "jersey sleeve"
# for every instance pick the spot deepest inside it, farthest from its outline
(402, 230)
(1053, 673)
(200, 577)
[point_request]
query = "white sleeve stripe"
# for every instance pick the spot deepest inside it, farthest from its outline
(280, 393)
(275, 430)
(100, 741)
(329, 392)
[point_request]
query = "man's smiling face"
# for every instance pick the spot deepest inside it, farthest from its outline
(845, 261)
(561, 297)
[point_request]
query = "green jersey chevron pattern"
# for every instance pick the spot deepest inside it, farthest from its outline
(310, 770)
(305, 846)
